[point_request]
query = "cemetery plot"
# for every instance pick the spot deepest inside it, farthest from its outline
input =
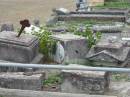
(93, 37)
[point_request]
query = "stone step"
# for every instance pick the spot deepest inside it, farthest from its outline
(29, 93)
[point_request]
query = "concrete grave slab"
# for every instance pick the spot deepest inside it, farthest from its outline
(17, 80)
(22, 50)
(92, 82)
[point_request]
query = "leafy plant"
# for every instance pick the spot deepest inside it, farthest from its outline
(91, 37)
(53, 80)
(47, 44)
(84, 29)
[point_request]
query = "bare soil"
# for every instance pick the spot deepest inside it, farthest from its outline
(15, 10)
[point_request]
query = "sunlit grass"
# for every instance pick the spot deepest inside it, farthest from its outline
(114, 5)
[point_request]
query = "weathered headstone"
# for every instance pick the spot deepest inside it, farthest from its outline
(17, 80)
(75, 47)
(90, 82)
(7, 27)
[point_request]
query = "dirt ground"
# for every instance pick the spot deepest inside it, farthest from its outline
(15, 10)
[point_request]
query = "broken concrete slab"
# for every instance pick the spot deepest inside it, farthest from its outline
(90, 82)
(20, 80)
(75, 47)
(114, 53)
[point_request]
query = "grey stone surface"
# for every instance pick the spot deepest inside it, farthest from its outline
(117, 27)
(59, 30)
(51, 21)
(37, 60)
(128, 21)
(125, 35)
(105, 12)
(28, 93)
(61, 11)
(23, 49)
(7, 27)
(119, 89)
(118, 35)
(20, 81)
(75, 47)
(101, 17)
(92, 82)
(106, 51)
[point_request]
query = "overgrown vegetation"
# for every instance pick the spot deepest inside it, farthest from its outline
(91, 37)
(83, 29)
(47, 44)
(53, 80)
(120, 77)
